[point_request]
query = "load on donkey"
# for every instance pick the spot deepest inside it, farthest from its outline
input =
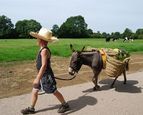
(115, 62)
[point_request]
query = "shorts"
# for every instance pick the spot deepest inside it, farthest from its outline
(48, 84)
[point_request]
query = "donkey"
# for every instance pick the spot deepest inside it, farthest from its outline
(92, 59)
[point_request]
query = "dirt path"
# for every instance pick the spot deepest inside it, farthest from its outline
(16, 77)
(121, 100)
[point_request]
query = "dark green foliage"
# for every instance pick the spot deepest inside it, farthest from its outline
(74, 27)
(139, 34)
(25, 26)
(127, 33)
(55, 30)
(6, 27)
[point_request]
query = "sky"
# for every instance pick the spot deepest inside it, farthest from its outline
(100, 15)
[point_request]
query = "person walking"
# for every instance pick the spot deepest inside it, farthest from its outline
(45, 73)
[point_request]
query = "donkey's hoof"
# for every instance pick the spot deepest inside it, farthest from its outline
(112, 86)
(96, 88)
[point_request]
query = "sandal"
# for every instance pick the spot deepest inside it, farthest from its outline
(28, 110)
(63, 108)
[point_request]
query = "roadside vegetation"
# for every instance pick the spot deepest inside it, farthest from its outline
(26, 49)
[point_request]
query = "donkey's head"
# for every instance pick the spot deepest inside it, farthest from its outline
(76, 61)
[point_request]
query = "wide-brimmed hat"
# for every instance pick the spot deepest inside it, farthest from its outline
(45, 35)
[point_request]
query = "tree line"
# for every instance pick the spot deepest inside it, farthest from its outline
(73, 27)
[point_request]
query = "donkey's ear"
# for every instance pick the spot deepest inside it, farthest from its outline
(71, 47)
(83, 48)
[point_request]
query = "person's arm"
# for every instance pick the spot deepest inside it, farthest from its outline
(44, 56)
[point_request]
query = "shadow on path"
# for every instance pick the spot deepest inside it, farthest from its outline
(119, 86)
(75, 105)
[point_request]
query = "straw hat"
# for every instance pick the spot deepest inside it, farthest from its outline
(45, 35)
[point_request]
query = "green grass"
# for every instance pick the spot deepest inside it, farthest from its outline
(26, 49)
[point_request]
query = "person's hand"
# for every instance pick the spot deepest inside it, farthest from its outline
(36, 82)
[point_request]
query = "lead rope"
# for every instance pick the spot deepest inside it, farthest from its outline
(65, 79)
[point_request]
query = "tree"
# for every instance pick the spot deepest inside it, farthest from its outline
(6, 27)
(25, 26)
(139, 31)
(74, 27)
(90, 33)
(104, 34)
(115, 35)
(97, 35)
(127, 33)
(138, 34)
(55, 30)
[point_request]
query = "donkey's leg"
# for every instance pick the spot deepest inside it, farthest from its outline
(125, 79)
(112, 85)
(96, 87)
(97, 65)
(95, 80)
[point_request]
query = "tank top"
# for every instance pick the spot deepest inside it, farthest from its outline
(39, 62)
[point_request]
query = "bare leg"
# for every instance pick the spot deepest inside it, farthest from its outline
(59, 96)
(64, 105)
(34, 97)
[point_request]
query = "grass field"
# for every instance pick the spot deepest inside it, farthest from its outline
(26, 49)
